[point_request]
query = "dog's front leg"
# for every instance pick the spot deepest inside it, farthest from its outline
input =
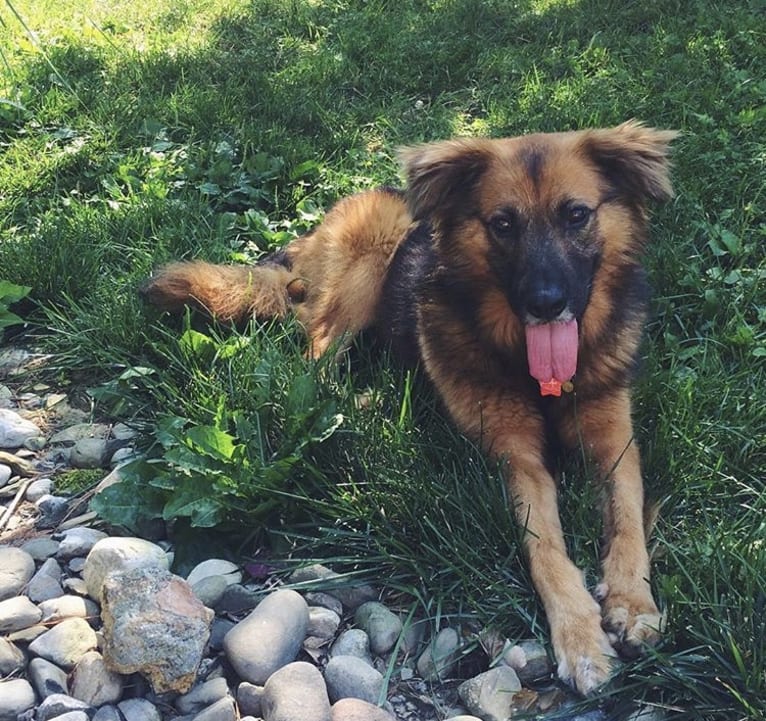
(582, 649)
(629, 610)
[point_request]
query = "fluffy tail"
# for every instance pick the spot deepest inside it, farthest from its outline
(225, 292)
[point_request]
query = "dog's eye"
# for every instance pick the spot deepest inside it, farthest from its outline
(502, 225)
(577, 216)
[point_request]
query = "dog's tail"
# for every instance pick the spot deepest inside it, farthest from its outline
(229, 293)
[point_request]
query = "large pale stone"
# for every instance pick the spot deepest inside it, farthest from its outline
(296, 691)
(66, 643)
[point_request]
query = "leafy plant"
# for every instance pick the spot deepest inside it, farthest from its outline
(10, 293)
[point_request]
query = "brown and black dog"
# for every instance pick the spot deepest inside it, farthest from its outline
(510, 270)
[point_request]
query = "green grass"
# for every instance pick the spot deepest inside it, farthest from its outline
(135, 133)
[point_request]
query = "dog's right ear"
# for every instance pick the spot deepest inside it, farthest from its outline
(440, 176)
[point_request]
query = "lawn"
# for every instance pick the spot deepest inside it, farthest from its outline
(137, 132)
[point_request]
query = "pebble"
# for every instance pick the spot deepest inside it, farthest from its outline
(221, 710)
(249, 698)
(440, 655)
(94, 683)
(41, 548)
(352, 642)
(57, 704)
(381, 625)
(325, 600)
(322, 627)
(202, 695)
(18, 613)
(139, 709)
(90, 453)
(46, 583)
(52, 510)
(5, 474)
(529, 659)
(348, 591)
(113, 555)
(215, 567)
(47, 678)
(354, 709)
(72, 716)
(210, 590)
(39, 488)
(66, 643)
(11, 658)
(490, 694)
(16, 568)
(237, 599)
(15, 430)
(296, 692)
(16, 697)
(351, 677)
(57, 609)
(78, 541)
(269, 638)
(108, 712)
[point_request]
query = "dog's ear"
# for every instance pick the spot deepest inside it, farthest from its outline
(634, 159)
(440, 176)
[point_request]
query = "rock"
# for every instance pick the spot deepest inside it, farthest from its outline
(210, 590)
(249, 698)
(41, 548)
(115, 555)
(221, 710)
(354, 709)
(91, 453)
(351, 677)
(94, 683)
(66, 643)
(121, 456)
(350, 592)
(218, 631)
(27, 635)
(18, 613)
(39, 488)
(202, 695)
(5, 474)
(154, 625)
(325, 600)
(322, 627)
(463, 717)
(57, 704)
(11, 658)
(16, 696)
(529, 659)
(296, 692)
(46, 583)
(353, 642)
(139, 709)
(215, 567)
(78, 541)
(490, 694)
(79, 431)
(72, 716)
(57, 609)
(269, 638)
(123, 433)
(412, 636)
(52, 510)
(108, 713)
(15, 430)
(16, 568)
(381, 625)
(47, 678)
(236, 599)
(437, 661)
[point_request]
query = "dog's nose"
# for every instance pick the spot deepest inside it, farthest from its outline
(547, 301)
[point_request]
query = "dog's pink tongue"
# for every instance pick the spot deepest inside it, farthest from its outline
(552, 354)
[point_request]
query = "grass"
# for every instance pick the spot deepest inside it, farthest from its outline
(135, 133)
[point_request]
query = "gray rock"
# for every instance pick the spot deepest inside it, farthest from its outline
(463, 717)
(46, 583)
(72, 716)
(354, 709)
(94, 683)
(221, 710)
(351, 677)
(52, 510)
(215, 567)
(47, 678)
(353, 642)
(11, 658)
(75, 585)
(249, 698)
(78, 541)
(349, 591)
(412, 635)
(236, 599)
(269, 638)
(325, 600)
(57, 609)
(210, 590)
(218, 631)
(296, 692)
(39, 488)
(91, 453)
(78, 431)
(16, 697)
(27, 635)
(381, 625)
(529, 659)
(322, 627)
(66, 643)
(123, 433)
(15, 430)
(490, 694)
(202, 695)
(16, 568)
(76, 565)
(41, 548)
(121, 456)
(439, 657)
(108, 713)
(115, 555)
(18, 613)
(154, 625)
(139, 709)
(57, 704)
(5, 474)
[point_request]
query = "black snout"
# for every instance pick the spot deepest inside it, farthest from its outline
(546, 301)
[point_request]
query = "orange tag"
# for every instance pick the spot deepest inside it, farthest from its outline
(550, 388)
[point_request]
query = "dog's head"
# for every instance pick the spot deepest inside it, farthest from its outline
(541, 210)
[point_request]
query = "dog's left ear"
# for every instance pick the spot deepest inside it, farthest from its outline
(634, 158)
(440, 176)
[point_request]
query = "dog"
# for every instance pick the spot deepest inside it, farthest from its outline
(510, 271)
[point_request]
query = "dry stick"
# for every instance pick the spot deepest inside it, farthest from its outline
(14, 504)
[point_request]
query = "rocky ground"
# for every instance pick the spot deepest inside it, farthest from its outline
(95, 626)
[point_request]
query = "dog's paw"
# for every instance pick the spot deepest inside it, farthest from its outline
(632, 621)
(586, 658)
